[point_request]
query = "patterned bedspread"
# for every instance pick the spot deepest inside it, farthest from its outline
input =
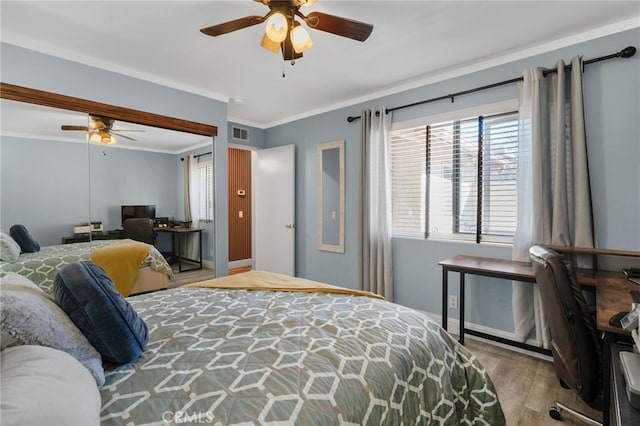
(42, 267)
(238, 357)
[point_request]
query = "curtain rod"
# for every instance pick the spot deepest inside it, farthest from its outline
(198, 155)
(627, 52)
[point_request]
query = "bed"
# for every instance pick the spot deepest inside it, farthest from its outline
(154, 272)
(261, 348)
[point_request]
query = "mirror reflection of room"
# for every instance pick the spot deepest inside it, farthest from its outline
(76, 203)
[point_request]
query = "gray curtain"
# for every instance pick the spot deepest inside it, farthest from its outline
(554, 194)
(190, 246)
(376, 274)
(187, 186)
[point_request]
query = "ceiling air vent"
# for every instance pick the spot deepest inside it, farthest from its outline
(240, 134)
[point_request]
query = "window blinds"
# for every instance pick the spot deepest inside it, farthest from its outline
(205, 190)
(456, 178)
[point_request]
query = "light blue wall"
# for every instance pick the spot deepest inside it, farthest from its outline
(256, 135)
(28, 68)
(129, 177)
(48, 197)
(612, 97)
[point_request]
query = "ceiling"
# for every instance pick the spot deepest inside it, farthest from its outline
(39, 122)
(413, 43)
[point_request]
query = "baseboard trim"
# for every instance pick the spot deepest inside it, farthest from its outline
(240, 263)
(453, 327)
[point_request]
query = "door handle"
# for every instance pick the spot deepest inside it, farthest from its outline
(289, 226)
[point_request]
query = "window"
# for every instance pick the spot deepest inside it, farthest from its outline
(456, 178)
(205, 190)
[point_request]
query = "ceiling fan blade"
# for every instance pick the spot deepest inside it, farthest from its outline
(344, 27)
(121, 135)
(288, 54)
(68, 127)
(236, 24)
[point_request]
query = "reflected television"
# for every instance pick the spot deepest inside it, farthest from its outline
(128, 212)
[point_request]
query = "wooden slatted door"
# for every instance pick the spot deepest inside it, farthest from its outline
(239, 204)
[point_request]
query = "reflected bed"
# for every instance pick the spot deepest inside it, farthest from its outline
(42, 267)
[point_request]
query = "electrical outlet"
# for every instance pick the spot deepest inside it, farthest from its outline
(453, 302)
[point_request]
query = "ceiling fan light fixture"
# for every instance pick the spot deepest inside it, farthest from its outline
(95, 136)
(109, 139)
(99, 136)
(277, 27)
(282, 30)
(269, 44)
(300, 39)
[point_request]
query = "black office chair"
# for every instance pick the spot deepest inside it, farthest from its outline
(139, 229)
(575, 345)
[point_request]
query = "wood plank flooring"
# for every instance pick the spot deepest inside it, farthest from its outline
(182, 278)
(527, 385)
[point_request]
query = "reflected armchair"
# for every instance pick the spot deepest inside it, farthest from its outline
(139, 229)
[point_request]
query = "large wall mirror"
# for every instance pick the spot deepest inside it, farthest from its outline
(53, 179)
(331, 196)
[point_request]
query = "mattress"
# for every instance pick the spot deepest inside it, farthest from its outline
(236, 357)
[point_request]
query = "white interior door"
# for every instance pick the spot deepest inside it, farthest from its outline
(275, 210)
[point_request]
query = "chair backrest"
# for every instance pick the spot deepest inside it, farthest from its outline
(139, 229)
(575, 345)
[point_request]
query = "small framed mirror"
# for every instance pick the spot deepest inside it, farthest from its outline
(331, 196)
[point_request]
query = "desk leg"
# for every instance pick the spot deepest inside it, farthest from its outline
(609, 338)
(180, 252)
(445, 295)
(200, 248)
(461, 307)
(173, 245)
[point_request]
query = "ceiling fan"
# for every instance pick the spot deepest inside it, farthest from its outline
(100, 130)
(284, 33)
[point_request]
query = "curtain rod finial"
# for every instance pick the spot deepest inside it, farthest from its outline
(628, 52)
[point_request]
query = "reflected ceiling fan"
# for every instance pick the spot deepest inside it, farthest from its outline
(284, 33)
(100, 130)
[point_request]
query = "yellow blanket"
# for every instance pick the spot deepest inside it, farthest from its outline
(121, 262)
(261, 280)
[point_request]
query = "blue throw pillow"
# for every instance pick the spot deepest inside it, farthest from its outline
(26, 242)
(86, 293)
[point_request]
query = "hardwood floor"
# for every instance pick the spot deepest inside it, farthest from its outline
(182, 278)
(527, 385)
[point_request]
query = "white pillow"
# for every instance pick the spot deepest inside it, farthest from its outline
(13, 278)
(9, 248)
(28, 316)
(45, 386)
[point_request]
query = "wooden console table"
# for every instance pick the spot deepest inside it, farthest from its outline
(176, 245)
(613, 294)
(516, 271)
(487, 267)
